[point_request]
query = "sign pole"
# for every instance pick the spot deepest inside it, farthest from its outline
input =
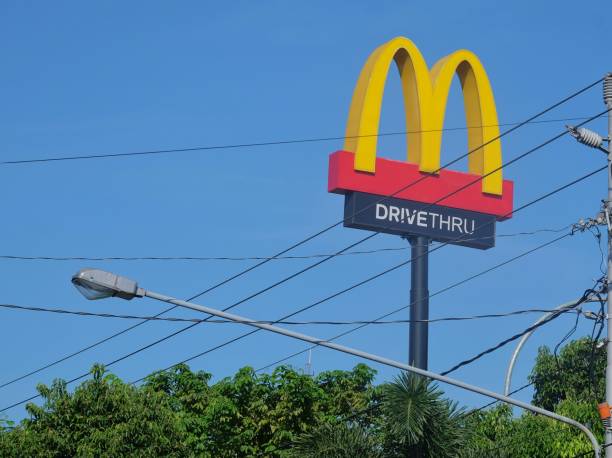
(419, 301)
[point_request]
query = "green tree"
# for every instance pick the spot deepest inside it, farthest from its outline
(577, 373)
(5, 423)
(497, 433)
(253, 414)
(104, 417)
(181, 413)
(570, 384)
(413, 420)
(418, 421)
(337, 440)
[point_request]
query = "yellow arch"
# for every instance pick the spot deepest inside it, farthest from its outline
(425, 94)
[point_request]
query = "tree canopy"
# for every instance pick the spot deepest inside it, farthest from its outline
(571, 384)
(182, 413)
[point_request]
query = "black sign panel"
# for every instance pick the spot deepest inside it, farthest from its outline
(405, 217)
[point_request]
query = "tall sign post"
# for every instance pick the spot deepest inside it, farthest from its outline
(415, 199)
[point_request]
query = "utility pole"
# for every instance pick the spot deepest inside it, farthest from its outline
(608, 102)
(594, 140)
(419, 301)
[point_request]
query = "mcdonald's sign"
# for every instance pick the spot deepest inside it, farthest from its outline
(358, 173)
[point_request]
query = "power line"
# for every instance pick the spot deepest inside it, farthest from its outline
(81, 313)
(443, 290)
(386, 271)
(257, 258)
(467, 414)
(559, 372)
(269, 143)
(210, 350)
(243, 272)
(572, 183)
(521, 156)
(590, 452)
(244, 335)
(518, 335)
(588, 175)
(525, 386)
(594, 339)
(564, 339)
(598, 319)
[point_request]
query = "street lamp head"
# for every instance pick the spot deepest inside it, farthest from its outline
(98, 284)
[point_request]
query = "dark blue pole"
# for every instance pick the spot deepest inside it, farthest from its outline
(419, 301)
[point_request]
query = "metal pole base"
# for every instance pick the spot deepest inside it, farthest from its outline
(419, 301)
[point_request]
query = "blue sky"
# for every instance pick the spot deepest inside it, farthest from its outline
(112, 77)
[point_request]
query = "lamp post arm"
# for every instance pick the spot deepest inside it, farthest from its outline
(381, 360)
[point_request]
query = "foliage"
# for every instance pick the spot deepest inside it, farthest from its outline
(104, 417)
(251, 414)
(180, 413)
(577, 373)
(413, 420)
(6, 424)
(565, 385)
(417, 421)
(339, 440)
(498, 434)
(489, 429)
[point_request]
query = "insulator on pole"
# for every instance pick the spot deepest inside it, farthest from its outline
(607, 89)
(586, 136)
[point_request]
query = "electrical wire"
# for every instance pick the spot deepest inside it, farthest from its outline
(590, 452)
(193, 258)
(594, 230)
(316, 235)
(293, 323)
(515, 391)
(594, 339)
(518, 335)
(430, 296)
(598, 320)
(95, 344)
(467, 414)
(562, 341)
(587, 294)
(256, 258)
(525, 386)
(478, 179)
(572, 183)
(79, 377)
(274, 142)
(392, 268)
(443, 290)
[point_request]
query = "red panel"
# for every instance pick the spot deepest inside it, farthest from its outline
(393, 176)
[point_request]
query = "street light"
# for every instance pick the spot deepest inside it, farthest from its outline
(98, 284)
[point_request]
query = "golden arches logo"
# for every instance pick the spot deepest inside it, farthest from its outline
(425, 94)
